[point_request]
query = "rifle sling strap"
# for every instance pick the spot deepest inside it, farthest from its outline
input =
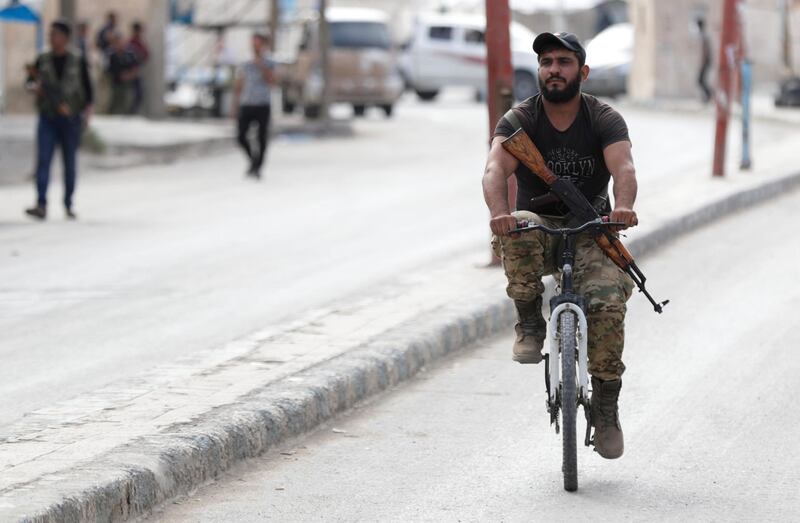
(513, 119)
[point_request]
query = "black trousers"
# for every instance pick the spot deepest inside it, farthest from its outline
(702, 81)
(259, 115)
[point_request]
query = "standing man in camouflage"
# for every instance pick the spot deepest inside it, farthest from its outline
(60, 81)
(585, 140)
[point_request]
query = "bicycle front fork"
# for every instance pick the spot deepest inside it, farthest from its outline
(553, 365)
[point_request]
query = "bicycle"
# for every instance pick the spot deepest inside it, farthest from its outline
(567, 331)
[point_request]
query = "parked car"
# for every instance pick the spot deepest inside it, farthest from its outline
(450, 50)
(609, 55)
(363, 63)
(192, 91)
(789, 95)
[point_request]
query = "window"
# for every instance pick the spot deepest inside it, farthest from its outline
(360, 35)
(440, 33)
(474, 36)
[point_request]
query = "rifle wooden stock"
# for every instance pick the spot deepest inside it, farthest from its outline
(521, 146)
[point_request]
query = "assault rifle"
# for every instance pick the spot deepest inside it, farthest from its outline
(522, 147)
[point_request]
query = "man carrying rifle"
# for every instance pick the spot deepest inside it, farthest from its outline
(586, 142)
(60, 81)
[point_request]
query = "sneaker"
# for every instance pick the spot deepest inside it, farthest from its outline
(39, 212)
(70, 214)
(254, 171)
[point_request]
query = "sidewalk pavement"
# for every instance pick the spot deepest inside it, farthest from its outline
(132, 140)
(118, 452)
(762, 108)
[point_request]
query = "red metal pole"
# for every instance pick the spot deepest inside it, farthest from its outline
(500, 85)
(727, 62)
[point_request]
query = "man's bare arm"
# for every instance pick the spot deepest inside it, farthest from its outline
(620, 163)
(269, 75)
(499, 167)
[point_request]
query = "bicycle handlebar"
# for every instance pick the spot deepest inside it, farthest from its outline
(598, 223)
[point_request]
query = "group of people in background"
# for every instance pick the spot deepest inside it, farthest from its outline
(61, 83)
(122, 61)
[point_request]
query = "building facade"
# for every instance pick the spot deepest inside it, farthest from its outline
(18, 42)
(667, 55)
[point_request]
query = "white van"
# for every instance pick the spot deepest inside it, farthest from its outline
(450, 50)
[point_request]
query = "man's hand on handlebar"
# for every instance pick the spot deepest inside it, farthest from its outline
(597, 225)
(501, 225)
(624, 215)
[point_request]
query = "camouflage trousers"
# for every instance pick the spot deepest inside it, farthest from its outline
(605, 287)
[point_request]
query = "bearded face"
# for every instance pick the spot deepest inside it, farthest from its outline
(559, 75)
(558, 90)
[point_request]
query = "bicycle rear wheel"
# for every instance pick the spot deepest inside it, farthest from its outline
(569, 400)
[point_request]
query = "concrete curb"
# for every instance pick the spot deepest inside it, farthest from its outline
(17, 168)
(788, 117)
(125, 156)
(712, 212)
(155, 469)
(121, 156)
(133, 479)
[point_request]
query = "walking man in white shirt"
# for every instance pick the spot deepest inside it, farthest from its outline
(251, 102)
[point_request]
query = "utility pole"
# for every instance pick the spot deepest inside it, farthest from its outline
(324, 52)
(498, 60)
(560, 19)
(67, 11)
(500, 74)
(745, 87)
(727, 66)
(274, 18)
(786, 37)
(154, 71)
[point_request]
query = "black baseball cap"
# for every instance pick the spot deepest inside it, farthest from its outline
(566, 40)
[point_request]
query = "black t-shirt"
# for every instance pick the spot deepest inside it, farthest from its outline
(575, 154)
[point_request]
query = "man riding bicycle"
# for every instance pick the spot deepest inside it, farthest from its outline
(586, 141)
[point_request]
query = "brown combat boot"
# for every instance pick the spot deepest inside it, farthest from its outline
(608, 441)
(530, 330)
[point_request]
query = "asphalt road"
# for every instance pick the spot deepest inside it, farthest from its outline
(707, 407)
(170, 260)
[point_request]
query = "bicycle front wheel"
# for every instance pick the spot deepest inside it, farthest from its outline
(569, 399)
